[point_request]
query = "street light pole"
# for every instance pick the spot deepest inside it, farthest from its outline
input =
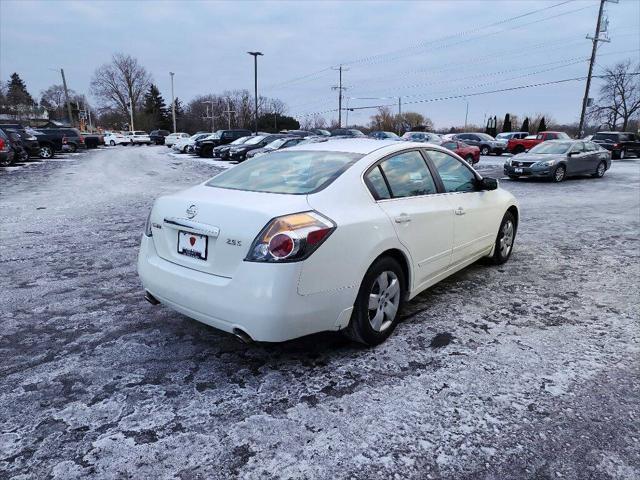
(173, 103)
(66, 97)
(466, 114)
(255, 75)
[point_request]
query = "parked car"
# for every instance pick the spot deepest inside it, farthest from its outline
(29, 141)
(204, 147)
(298, 133)
(268, 251)
(138, 137)
(7, 154)
(423, 137)
(185, 145)
(506, 136)
(92, 140)
(321, 132)
(486, 143)
(519, 145)
(239, 152)
(277, 144)
(469, 152)
(559, 159)
(172, 138)
(64, 139)
(222, 151)
(347, 132)
(380, 135)
(158, 136)
(115, 138)
(620, 144)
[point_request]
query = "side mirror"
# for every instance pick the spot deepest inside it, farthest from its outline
(571, 154)
(487, 184)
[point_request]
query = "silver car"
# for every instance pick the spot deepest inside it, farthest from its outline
(559, 159)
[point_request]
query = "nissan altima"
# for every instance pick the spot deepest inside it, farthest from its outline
(333, 235)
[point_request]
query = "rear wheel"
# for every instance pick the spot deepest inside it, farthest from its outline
(518, 149)
(469, 159)
(45, 151)
(602, 167)
(73, 148)
(380, 298)
(504, 241)
(559, 174)
(485, 150)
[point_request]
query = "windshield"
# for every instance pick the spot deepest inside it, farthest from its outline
(551, 148)
(291, 172)
(276, 144)
(484, 136)
(254, 140)
(240, 141)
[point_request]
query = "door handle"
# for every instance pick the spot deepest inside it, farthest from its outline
(402, 218)
(460, 211)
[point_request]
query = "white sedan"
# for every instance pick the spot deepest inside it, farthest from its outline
(172, 138)
(334, 235)
(114, 138)
(185, 145)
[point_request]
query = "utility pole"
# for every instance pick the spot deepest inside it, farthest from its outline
(228, 111)
(66, 97)
(210, 116)
(173, 103)
(466, 114)
(340, 88)
(131, 127)
(399, 114)
(595, 39)
(255, 79)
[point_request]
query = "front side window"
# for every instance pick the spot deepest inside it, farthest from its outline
(408, 175)
(292, 172)
(577, 147)
(590, 147)
(455, 176)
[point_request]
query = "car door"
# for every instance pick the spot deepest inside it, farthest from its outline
(476, 213)
(577, 160)
(592, 156)
(422, 216)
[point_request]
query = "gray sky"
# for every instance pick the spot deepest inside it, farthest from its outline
(417, 50)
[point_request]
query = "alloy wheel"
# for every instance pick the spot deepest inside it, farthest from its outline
(45, 152)
(506, 240)
(384, 301)
(601, 169)
(558, 175)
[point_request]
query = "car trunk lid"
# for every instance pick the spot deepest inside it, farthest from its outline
(229, 220)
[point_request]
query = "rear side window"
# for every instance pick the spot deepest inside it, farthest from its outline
(293, 172)
(377, 185)
(408, 175)
(455, 176)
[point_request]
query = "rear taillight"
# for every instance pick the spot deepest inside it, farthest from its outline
(616, 145)
(3, 145)
(81, 139)
(64, 140)
(290, 238)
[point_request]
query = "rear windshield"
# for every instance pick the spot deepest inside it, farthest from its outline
(612, 137)
(298, 172)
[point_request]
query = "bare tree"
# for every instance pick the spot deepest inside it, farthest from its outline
(619, 98)
(119, 82)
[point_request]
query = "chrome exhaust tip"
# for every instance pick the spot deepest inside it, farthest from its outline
(150, 298)
(242, 336)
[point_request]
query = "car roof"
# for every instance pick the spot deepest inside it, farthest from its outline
(362, 146)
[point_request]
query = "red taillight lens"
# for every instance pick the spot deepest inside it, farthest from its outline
(2, 144)
(64, 140)
(81, 139)
(290, 238)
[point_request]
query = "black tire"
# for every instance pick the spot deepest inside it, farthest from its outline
(7, 161)
(112, 143)
(514, 177)
(360, 327)
(500, 253)
(485, 150)
(559, 174)
(518, 149)
(73, 148)
(469, 159)
(45, 151)
(623, 154)
(601, 168)
(206, 152)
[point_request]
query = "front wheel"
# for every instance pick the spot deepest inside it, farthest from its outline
(380, 298)
(469, 159)
(112, 143)
(504, 241)
(45, 151)
(559, 174)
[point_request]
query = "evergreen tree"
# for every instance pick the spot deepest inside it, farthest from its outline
(525, 125)
(542, 126)
(155, 109)
(506, 124)
(17, 93)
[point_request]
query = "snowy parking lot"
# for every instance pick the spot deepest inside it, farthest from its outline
(529, 370)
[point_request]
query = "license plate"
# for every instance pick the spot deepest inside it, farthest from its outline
(518, 170)
(193, 244)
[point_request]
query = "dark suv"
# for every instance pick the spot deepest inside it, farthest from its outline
(204, 147)
(29, 142)
(157, 136)
(7, 155)
(618, 143)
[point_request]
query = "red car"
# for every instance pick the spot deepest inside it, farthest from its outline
(519, 145)
(469, 153)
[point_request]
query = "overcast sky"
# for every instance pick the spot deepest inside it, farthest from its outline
(416, 50)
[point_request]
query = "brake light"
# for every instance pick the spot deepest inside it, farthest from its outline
(2, 144)
(64, 140)
(290, 238)
(81, 139)
(616, 145)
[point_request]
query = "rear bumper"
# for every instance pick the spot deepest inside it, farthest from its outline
(261, 299)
